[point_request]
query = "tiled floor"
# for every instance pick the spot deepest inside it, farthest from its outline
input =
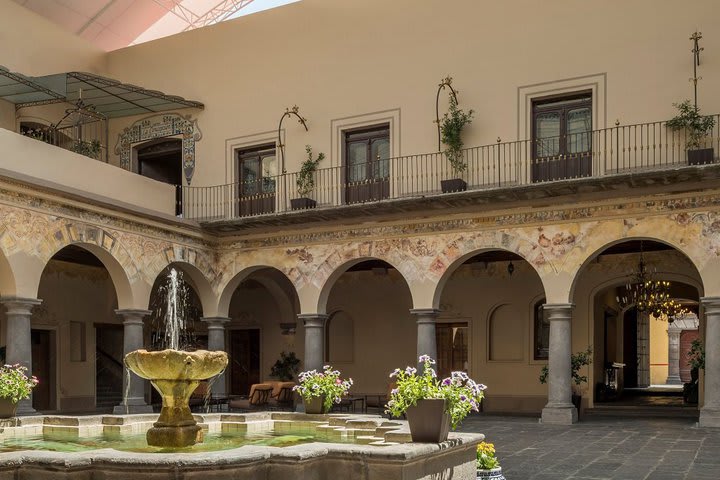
(602, 448)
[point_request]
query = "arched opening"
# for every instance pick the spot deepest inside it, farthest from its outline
(263, 323)
(161, 160)
(491, 326)
(369, 303)
(75, 330)
(635, 300)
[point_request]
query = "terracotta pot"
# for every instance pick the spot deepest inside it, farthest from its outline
(428, 420)
(315, 405)
(492, 474)
(7, 407)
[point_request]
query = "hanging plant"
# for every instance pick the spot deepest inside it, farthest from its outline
(306, 177)
(451, 127)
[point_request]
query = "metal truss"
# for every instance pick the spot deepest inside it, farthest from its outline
(219, 12)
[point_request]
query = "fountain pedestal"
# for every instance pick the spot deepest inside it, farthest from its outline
(175, 375)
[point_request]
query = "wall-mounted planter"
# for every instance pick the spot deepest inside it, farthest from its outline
(302, 203)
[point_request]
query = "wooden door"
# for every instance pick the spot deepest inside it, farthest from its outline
(43, 369)
(452, 348)
(244, 360)
(630, 353)
(257, 179)
(367, 165)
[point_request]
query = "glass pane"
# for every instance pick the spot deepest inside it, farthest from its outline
(356, 161)
(579, 124)
(547, 134)
(269, 171)
(249, 175)
(380, 153)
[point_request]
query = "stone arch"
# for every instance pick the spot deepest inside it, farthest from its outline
(461, 259)
(199, 282)
(229, 288)
(342, 267)
(8, 286)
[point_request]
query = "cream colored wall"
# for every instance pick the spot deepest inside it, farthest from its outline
(32, 45)
(658, 351)
(7, 115)
(247, 71)
(45, 163)
(77, 293)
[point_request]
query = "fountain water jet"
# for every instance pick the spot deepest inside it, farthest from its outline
(174, 373)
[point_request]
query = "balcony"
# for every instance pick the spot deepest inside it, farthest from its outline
(601, 160)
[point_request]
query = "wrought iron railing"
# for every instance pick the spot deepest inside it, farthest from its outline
(598, 153)
(88, 139)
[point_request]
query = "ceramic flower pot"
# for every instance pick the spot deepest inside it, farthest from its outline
(491, 474)
(315, 405)
(428, 420)
(8, 408)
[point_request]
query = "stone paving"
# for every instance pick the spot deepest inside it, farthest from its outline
(600, 448)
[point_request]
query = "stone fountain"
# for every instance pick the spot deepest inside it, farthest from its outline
(175, 373)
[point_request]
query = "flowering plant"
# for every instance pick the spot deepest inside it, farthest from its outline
(460, 392)
(14, 382)
(327, 384)
(486, 459)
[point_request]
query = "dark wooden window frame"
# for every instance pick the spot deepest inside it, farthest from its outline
(261, 198)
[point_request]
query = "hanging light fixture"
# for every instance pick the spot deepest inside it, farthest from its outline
(649, 295)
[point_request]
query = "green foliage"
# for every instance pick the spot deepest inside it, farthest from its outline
(286, 367)
(697, 126)
(577, 361)
(327, 384)
(306, 177)
(451, 127)
(696, 355)
(89, 149)
(460, 392)
(14, 382)
(486, 459)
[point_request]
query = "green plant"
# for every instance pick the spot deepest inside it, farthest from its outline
(460, 392)
(306, 177)
(696, 355)
(486, 459)
(286, 367)
(89, 149)
(697, 126)
(577, 361)
(327, 384)
(14, 382)
(451, 127)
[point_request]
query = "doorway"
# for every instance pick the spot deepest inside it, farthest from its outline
(109, 369)
(43, 356)
(244, 360)
(161, 160)
(452, 348)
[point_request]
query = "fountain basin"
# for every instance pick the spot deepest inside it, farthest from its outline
(175, 375)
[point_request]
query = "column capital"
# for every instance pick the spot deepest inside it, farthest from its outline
(215, 322)
(313, 320)
(711, 305)
(132, 315)
(19, 305)
(559, 311)
(425, 311)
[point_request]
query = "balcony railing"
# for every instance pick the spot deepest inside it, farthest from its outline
(598, 153)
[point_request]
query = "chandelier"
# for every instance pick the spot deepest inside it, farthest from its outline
(651, 296)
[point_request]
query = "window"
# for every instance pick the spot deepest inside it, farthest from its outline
(452, 348)
(257, 174)
(367, 171)
(562, 137)
(541, 347)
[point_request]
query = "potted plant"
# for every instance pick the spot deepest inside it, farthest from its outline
(432, 406)
(319, 390)
(696, 127)
(15, 385)
(696, 361)
(306, 181)
(89, 149)
(451, 127)
(286, 367)
(488, 466)
(577, 361)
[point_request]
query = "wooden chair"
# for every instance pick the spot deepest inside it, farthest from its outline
(258, 398)
(282, 397)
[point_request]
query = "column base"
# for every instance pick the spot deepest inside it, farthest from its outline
(673, 380)
(709, 417)
(562, 415)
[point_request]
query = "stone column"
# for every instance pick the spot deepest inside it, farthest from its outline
(710, 411)
(673, 377)
(314, 340)
(426, 339)
(643, 349)
(17, 338)
(216, 342)
(559, 409)
(134, 393)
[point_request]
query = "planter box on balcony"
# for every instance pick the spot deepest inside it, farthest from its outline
(701, 156)
(302, 203)
(453, 185)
